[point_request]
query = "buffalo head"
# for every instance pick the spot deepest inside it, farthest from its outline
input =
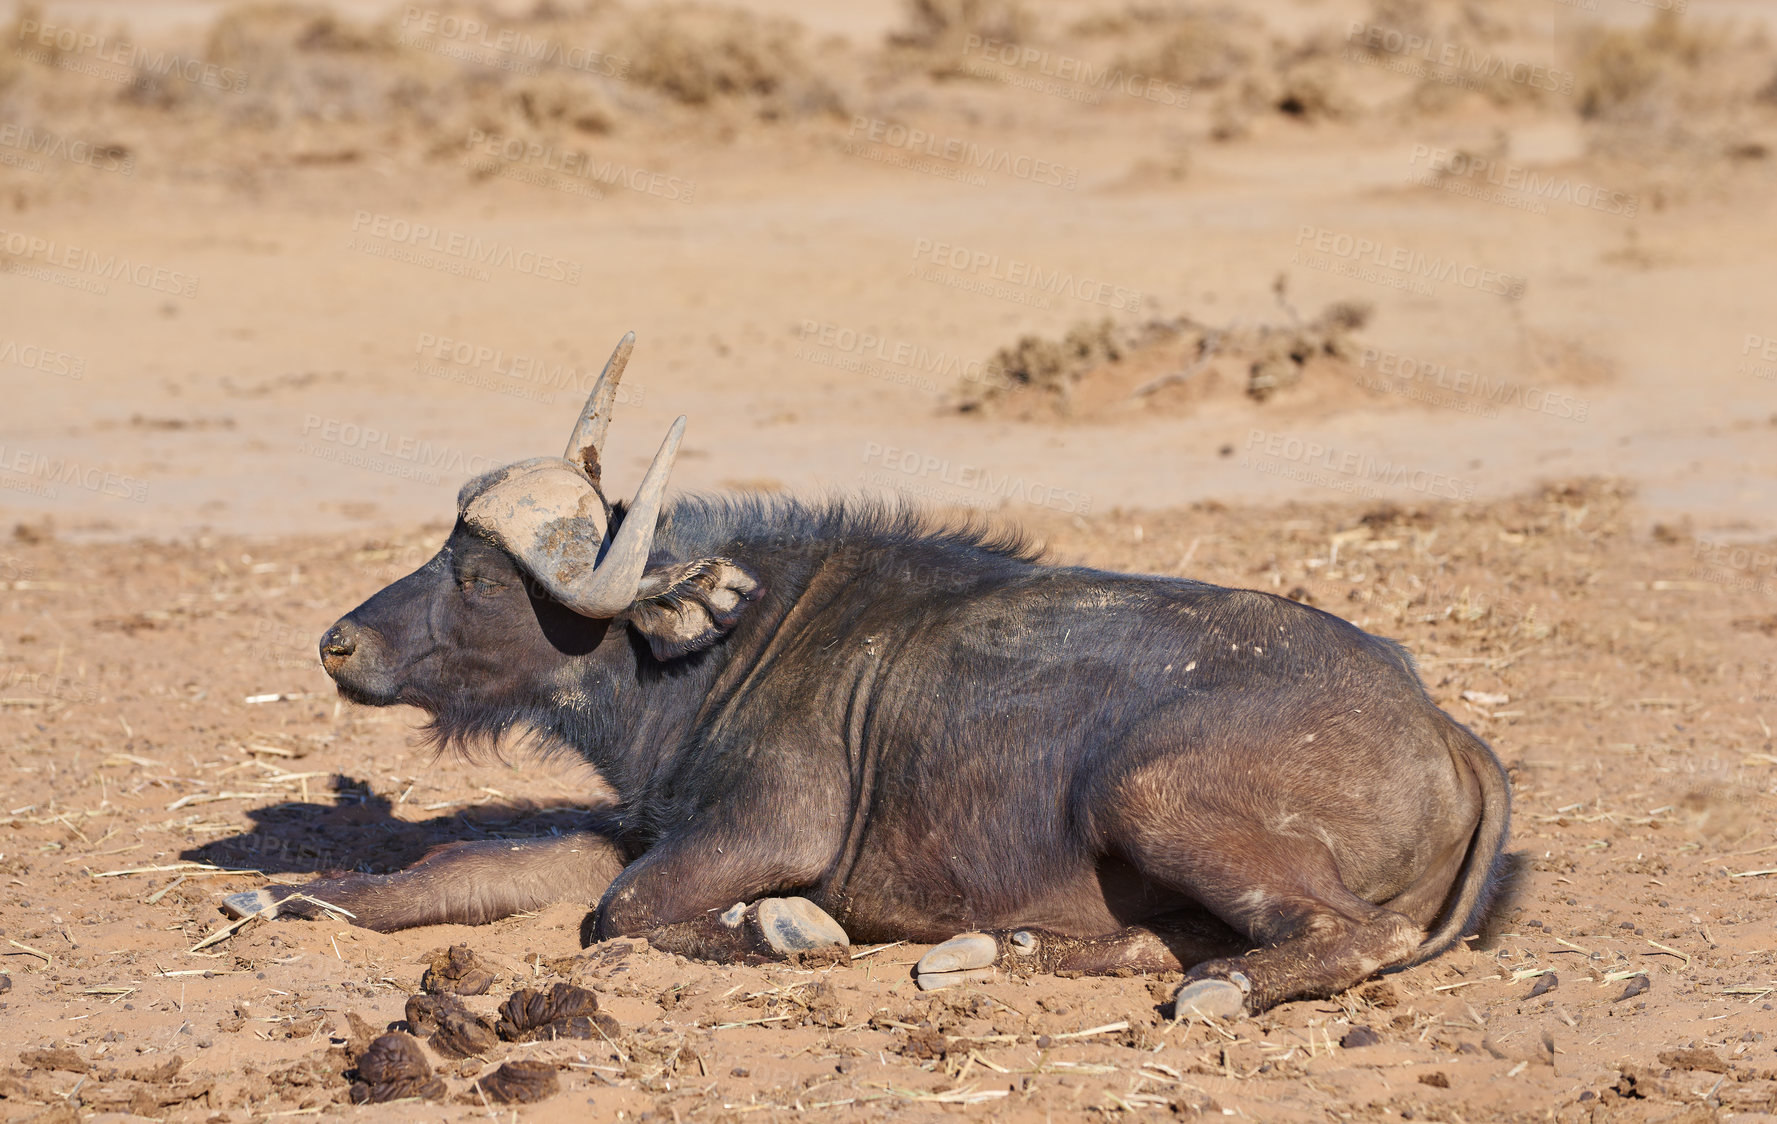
(532, 597)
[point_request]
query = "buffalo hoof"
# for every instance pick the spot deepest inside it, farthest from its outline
(1217, 999)
(271, 902)
(249, 903)
(798, 925)
(968, 958)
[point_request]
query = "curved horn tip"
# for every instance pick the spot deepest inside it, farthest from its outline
(587, 441)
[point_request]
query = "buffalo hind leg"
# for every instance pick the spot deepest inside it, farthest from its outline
(459, 883)
(1157, 947)
(1315, 937)
(1314, 951)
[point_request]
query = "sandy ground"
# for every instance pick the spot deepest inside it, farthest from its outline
(1548, 470)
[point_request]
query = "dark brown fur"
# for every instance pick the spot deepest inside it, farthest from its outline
(924, 731)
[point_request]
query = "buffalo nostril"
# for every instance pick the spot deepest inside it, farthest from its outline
(337, 644)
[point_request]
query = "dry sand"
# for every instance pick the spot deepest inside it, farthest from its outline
(1548, 469)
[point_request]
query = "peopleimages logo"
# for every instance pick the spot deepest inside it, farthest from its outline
(1077, 79)
(46, 43)
(958, 152)
(1406, 265)
(1444, 162)
(524, 53)
(980, 270)
(73, 150)
(578, 168)
(1350, 471)
(404, 240)
(37, 358)
(519, 376)
(1765, 349)
(1452, 63)
(1418, 379)
(899, 361)
(32, 473)
(391, 454)
(34, 248)
(967, 478)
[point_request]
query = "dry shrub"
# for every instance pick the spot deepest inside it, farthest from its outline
(946, 25)
(697, 54)
(1201, 50)
(12, 67)
(1623, 71)
(1227, 48)
(1475, 32)
(1049, 368)
(321, 87)
(1311, 89)
(1098, 366)
(301, 62)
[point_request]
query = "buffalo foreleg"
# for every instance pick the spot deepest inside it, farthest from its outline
(458, 883)
(768, 929)
(718, 900)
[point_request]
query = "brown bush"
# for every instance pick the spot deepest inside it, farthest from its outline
(945, 25)
(1624, 71)
(696, 55)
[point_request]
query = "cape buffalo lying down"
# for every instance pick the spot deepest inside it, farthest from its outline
(865, 724)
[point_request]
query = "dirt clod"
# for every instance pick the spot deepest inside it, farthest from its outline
(394, 1067)
(1694, 1058)
(423, 1011)
(520, 1082)
(458, 971)
(564, 1011)
(56, 1057)
(461, 1034)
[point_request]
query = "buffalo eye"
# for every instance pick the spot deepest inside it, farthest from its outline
(480, 584)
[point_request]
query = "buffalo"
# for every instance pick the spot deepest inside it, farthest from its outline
(845, 720)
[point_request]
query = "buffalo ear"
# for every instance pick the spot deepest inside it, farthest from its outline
(687, 607)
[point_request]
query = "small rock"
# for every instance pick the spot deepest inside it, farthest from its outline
(5, 983)
(1359, 1036)
(1638, 985)
(1382, 993)
(1435, 1079)
(1543, 985)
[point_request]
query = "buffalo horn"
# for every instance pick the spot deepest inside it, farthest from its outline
(610, 586)
(588, 442)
